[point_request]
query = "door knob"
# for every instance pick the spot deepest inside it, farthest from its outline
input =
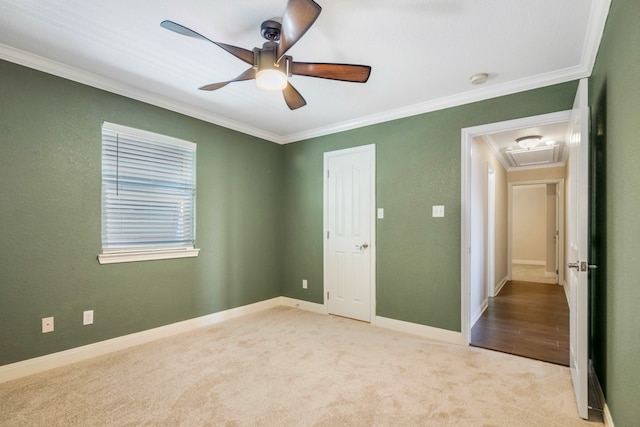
(362, 246)
(582, 266)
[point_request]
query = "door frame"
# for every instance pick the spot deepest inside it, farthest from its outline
(371, 148)
(467, 135)
(491, 231)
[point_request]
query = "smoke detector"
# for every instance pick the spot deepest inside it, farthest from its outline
(479, 78)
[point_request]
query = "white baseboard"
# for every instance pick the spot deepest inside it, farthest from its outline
(608, 421)
(599, 395)
(55, 360)
(67, 357)
(386, 323)
(479, 313)
(566, 290)
(528, 262)
(503, 282)
(303, 305)
(424, 331)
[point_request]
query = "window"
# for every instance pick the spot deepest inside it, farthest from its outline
(148, 196)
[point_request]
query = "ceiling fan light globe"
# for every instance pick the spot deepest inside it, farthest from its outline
(271, 79)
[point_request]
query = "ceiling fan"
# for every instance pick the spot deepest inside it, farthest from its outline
(269, 65)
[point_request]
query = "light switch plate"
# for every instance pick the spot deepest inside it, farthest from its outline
(438, 211)
(380, 213)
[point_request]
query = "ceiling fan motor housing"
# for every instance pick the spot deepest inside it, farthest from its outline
(270, 73)
(265, 59)
(270, 30)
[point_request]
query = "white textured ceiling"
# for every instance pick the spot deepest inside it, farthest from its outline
(422, 53)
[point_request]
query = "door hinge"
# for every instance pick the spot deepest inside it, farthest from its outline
(328, 174)
(327, 295)
(327, 234)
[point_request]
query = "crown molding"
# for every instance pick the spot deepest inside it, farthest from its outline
(489, 92)
(59, 69)
(595, 29)
(70, 73)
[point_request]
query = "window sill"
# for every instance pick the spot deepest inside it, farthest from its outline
(113, 258)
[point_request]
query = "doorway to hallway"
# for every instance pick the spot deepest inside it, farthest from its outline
(526, 319)
(528, 315)
(490, 173)
(576, 174)
(535, 231)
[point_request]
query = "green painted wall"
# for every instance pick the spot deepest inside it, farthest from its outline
(259, 214)
(50, 220)
(418, 165)
(615, 102)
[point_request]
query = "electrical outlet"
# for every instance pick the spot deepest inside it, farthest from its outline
(87, 317)
(47, 324)
(304, 284)
(437, 211)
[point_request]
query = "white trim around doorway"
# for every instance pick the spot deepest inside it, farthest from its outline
(467, 135)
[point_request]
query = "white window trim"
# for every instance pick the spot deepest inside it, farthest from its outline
(148, 254)
(146, 134)
(117, 257)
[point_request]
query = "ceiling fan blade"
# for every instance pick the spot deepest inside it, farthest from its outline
(343, 72)
(180, 29)
(240, 53)
(298, 17)
(247, 75)
(292, 97)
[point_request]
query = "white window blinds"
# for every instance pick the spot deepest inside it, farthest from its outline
(148, 191)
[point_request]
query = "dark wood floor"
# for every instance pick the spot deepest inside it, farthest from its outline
(527, 319)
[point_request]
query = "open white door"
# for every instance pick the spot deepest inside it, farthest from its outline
(349, 249)
(577, 249)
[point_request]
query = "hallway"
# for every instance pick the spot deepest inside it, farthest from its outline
(526, 319)
(532, 273)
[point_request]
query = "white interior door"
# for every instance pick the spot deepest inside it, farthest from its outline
(349, 231)
(577, 239)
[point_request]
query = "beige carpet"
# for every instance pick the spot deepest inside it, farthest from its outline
(531, 273)
(288, 367)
